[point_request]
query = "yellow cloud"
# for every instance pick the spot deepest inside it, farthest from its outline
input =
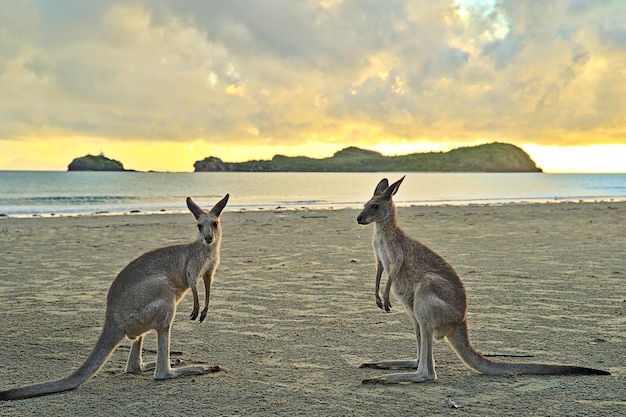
(236, 90)
(161, 87)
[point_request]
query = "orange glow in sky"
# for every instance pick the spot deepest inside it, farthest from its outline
(159, 86)
(180, 157)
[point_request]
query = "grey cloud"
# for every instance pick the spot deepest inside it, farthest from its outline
(615, 37)
(280, 70)
(299, 33)
(581, 57)
(63, 22)
(504, 51)
(446, 62)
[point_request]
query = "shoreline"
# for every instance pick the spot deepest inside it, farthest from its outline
(254, 209)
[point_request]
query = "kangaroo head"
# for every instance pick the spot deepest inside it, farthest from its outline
(209, 228)
(380, 207)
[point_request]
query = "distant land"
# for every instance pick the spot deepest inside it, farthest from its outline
(95, 163)
(491, 157)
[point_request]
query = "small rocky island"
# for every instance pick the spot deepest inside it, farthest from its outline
(491, 157)
(95, 163)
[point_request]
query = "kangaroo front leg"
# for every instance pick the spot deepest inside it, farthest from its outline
(191, 281)
(379, 273)
(208, 281)
(386, 301)
(391, 276)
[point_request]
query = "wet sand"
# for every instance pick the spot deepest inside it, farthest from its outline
(293, 315)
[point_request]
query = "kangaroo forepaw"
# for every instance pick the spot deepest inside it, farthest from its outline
(194, 314)
(387, 306)
(203, 314)
(379, 302)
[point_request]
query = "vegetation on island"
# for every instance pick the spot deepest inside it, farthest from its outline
(95, 163)
(492, 157)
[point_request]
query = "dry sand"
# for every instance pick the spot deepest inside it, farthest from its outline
(293, 313)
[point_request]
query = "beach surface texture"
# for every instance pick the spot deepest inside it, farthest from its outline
(293, 314)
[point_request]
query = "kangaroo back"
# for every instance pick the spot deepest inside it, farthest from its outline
(106, 344)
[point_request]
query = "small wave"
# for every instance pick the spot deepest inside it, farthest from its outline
(67, 200)
(302, 202)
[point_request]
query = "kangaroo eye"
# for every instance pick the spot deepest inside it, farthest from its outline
(214, 224)
(375, 206)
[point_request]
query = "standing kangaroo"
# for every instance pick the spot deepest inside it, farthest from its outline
(144, 297)
(434, 298)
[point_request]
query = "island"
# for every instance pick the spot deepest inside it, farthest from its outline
(95, 163)
(491, 157)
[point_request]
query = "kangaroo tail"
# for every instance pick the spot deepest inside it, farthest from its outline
(459, 340)
(106, 344)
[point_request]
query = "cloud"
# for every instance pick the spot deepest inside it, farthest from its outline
(283, 72)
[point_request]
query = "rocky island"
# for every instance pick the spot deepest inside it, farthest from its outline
(95, 163)
(492, 157)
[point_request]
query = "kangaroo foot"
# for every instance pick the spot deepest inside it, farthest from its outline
(188, 370)
(410, 364)
(403, 378)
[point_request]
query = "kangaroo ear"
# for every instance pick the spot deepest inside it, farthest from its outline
(382, 186)
(393, 188)
(194, 208)
(217, 209)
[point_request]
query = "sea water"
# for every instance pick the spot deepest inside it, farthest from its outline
(36, 193)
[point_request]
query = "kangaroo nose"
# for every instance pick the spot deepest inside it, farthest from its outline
(359, 219)
(208, 239)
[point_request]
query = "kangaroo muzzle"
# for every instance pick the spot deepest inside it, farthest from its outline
(361, 220)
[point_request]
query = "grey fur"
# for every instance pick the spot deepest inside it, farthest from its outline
(144, 297)
(434, 297)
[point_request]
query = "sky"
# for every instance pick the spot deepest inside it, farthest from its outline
(161, 84)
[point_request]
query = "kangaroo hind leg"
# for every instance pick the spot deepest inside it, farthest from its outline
(425, 366)
(134, 364)
(422, 314)
(163, 369)
(400, 364)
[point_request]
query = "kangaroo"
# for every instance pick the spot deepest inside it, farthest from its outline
(144, 297)
(434, 297)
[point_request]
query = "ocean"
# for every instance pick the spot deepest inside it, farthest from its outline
(41, 194)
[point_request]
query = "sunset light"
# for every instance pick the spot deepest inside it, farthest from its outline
(160, 87)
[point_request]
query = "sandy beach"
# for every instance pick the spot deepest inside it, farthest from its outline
(293, 314)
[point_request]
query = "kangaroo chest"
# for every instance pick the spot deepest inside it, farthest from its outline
(388, 254)
(391, 255)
